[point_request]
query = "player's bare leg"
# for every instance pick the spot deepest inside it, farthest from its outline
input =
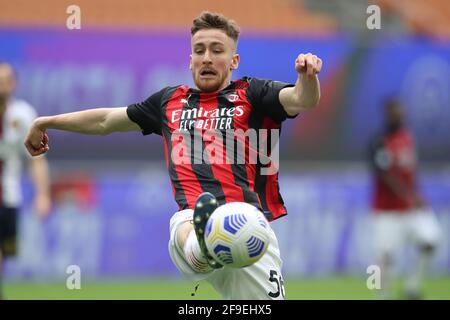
(386, 266)
(193, 255)
(414, 282)
(190, 235)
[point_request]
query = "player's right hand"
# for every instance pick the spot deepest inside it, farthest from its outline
(36, 141)
(308, 64)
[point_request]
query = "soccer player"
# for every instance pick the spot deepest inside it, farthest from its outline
(16, 117)
(216, 104)
(401, 214)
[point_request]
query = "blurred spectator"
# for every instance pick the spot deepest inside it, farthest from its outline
(16, 116)
(77, 227)
(71, 236)
(75, 188)
(401, 214)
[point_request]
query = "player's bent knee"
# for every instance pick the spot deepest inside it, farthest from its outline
(181, 248)
(182, 233)
(193, 255)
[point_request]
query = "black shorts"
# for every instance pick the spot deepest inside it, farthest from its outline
(8, 231)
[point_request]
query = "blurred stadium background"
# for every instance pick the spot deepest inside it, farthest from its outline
(112, 198)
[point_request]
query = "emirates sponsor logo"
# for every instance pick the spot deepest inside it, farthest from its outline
(199, 118)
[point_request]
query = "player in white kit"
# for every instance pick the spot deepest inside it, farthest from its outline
(16, 117)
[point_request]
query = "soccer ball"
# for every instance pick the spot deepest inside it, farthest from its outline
(237, 234)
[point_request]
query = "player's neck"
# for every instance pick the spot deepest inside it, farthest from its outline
(394, 128)
(223, 86)
(225, 83)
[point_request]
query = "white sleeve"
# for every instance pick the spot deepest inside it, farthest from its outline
(22, 119)
(27, 116)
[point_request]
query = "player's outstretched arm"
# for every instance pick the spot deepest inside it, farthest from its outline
(306, 93)
(101, 121)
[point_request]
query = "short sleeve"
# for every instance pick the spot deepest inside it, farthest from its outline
(264, 96)
(20, 120)
(28, 118)
(147, 114)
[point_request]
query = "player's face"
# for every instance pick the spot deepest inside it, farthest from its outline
(212, 59)
(395, 116)
(6, 82)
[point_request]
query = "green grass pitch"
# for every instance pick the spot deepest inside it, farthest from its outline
(340, 288)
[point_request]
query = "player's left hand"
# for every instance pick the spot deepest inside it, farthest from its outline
(308, 64)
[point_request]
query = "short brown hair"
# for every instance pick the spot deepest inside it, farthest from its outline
(209, 20)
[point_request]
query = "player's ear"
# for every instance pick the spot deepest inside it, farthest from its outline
(190, 61)
(235, 61)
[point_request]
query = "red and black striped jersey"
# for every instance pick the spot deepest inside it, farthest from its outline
(219, 142)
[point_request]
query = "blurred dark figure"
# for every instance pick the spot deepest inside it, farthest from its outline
(400, 213)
